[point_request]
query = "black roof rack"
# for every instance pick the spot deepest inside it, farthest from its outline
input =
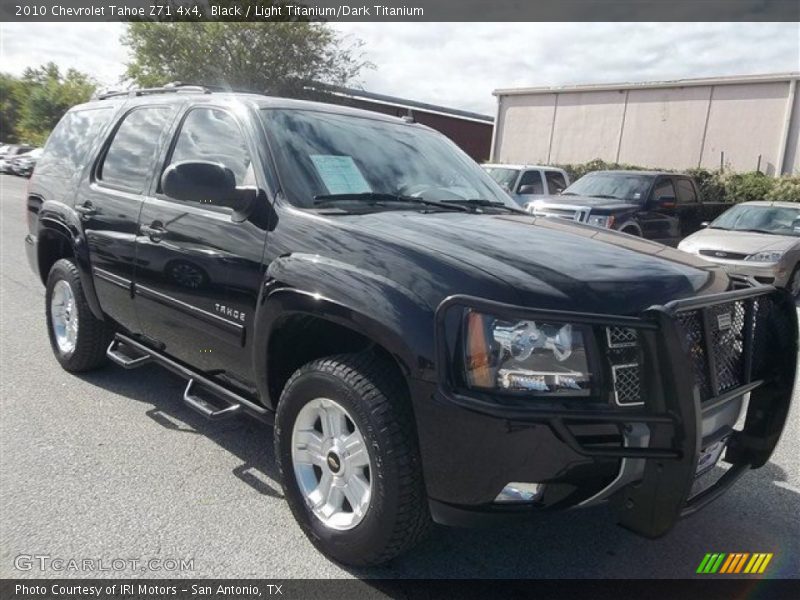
(173, 87)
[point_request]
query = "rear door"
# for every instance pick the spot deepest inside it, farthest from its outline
(199, 265)
(109, 201)
(690, 211)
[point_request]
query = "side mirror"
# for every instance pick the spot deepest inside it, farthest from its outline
(528, 189)
(205, 182)
(665, 203)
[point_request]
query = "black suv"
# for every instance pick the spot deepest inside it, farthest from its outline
(426, 351)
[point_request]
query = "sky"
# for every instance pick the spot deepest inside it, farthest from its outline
(459, 64)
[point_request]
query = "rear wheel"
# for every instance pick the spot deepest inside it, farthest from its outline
(349, 462)
(78, 339)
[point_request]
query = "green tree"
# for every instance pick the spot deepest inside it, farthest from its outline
(43, 95)
(9, 107)
(278, 58)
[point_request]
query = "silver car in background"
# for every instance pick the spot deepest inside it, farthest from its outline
(754, 239)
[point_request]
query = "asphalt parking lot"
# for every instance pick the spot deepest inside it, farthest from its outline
(112, 465)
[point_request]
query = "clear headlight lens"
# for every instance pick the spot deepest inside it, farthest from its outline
(765, 257)
(601, 221)
(538, 357)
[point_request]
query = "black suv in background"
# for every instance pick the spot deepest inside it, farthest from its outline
(426, 351)
(664, 207)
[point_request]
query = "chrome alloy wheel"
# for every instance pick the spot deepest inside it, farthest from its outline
(64, 312)
(331, 464)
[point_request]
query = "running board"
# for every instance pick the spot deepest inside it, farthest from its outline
(232, 403)
(119, 357)
(206, 408)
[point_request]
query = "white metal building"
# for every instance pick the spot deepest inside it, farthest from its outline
(746, 122)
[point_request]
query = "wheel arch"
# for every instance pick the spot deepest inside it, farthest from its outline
(56, 240)
(323, 327)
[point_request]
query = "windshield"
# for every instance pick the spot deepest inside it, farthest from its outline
(622, 186)
(503, 176)
(777, 220)
(322, 154)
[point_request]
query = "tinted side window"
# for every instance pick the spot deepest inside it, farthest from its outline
(664, 188)
(555, 182)
(132, 153)
(69, 143)
(686, 193)
(212, 134)
(533, 178)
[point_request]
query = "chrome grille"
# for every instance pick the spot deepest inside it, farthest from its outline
(624, 358)
(627, 383)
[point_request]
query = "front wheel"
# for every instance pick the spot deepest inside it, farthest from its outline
(348, 458)
(79, 339)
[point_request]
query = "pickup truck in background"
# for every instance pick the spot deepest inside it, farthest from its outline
(664, 207)
(525, 183)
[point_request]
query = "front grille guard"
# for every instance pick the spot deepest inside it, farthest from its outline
(685, 373)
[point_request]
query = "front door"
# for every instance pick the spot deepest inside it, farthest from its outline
(109, 202)
(689, 208)
(659, 221)
(198, 265)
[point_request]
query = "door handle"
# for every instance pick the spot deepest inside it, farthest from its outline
(154, 231)
(86, 209)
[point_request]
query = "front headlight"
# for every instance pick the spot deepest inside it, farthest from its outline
(767, 257)
(538, 357)
(601, 221)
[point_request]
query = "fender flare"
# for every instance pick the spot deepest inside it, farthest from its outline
(53, 222)
(284, 301)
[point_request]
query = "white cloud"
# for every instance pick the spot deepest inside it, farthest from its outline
(459, 64)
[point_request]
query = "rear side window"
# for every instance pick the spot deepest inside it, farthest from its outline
(531, 178)
(686, 193)
(555, 182)
(212, 134)
(68, 145)
(131, 156)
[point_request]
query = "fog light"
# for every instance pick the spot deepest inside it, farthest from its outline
(520, 492)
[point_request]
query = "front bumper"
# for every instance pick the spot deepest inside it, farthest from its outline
(642, 457)
(766, 273)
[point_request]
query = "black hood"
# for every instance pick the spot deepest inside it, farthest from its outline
(545, 263)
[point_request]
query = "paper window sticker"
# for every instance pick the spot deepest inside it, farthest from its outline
(340, 174)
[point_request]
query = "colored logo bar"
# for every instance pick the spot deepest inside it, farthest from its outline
(734, 562)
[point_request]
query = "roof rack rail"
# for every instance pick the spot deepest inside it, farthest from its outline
(173, 87)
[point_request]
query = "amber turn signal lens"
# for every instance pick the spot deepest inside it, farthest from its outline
(478, 372)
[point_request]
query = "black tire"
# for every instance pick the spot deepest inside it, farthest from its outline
(632, 231)
(93, 335)
(793, 281)
(397, 517)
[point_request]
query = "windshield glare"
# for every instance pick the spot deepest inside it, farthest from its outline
(503, 176)
(616, 185)
(769, 219)
(320, 153)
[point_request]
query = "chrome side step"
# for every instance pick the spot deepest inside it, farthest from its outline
(125, 361)
(230, 403)
(206, 408)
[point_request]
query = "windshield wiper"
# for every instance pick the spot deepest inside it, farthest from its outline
(480, 202)
(568, 194)
(605, 196)
(376, 198)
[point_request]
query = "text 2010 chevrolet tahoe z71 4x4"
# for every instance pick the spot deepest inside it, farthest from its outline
(427, 352)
